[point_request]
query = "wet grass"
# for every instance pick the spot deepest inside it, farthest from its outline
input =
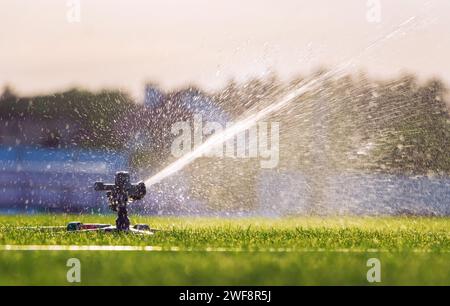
(392, 234)
(259, 251)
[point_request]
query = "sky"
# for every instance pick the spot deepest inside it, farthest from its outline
(45, 47)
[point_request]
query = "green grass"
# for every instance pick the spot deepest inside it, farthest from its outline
(318, 251)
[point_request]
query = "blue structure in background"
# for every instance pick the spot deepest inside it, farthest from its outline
(367, 194)
(38, 179)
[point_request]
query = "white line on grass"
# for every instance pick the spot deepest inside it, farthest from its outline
(121, 248)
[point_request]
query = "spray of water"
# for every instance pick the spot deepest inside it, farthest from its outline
(252, 119)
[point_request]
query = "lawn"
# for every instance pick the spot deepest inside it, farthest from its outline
(247, 251)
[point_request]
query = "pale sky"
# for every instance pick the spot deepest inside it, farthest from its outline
(206, 42)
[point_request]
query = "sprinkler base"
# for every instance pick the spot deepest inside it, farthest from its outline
(108, 228)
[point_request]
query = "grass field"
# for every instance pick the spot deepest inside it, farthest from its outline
(216, 251)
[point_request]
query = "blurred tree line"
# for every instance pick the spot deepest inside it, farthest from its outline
(74, 118)
(351, 122)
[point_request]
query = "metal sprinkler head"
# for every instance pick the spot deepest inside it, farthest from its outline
(120, 194)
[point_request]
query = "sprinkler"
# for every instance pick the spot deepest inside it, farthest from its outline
(120, 194)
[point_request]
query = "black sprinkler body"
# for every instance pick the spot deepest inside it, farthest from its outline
(120, 194)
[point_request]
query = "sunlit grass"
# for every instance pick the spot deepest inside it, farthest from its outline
(387, 233)
(287, 251)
